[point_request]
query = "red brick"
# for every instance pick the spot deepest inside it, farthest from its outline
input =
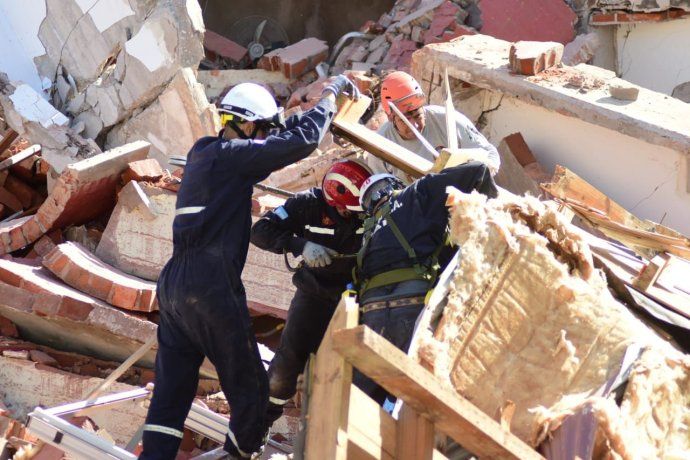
(296, 59)
(623, 17)
(44, 358)
(530, 58)
(85, 272)
(7, 328)
(8, 199)
(74, 309)
(24, 192)
(224, 47)
(43, 246)
(148, 170)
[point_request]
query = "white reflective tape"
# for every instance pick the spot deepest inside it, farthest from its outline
(355, 208)
(321, 230)
(347, 183)
(280, 402)
(189, 210)
(359, 231)
(231, 435)
(164, 430)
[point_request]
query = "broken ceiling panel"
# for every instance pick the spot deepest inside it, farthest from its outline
(645, 6)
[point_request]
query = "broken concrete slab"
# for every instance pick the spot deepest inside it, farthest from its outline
(610, 143)
(135, 241)
(48, 312)
(140, 244)
(26, 385)
(32, 117)
(582, 49)
(173, 122)
(148, 170)
(92, 181)
(109, 58)
(80, 269)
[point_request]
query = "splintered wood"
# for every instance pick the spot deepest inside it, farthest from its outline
(529, 320)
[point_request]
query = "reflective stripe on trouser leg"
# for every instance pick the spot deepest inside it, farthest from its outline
(231, 435)
(276, 401)
(164, 429)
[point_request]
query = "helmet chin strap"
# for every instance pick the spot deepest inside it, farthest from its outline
(235, 127)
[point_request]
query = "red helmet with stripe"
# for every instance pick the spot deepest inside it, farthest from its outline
(342, 182)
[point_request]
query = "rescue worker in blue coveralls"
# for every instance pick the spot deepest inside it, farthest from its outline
(324, 226)
(203, 310)
(404, 249)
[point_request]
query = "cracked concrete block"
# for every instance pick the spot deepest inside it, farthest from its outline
(173, 122)
(135, 243)
(32, 117)
(27, 385)
(120, 54)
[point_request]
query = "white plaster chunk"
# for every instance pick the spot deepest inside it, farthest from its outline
(106, 13)
(148, 47)
(195, 15)
(31, 106)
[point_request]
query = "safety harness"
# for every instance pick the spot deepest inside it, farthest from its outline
(418, 271)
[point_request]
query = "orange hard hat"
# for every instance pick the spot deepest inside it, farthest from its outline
(401, 89)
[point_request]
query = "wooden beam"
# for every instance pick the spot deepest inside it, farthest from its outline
(19, 157)
(569, 187)
(346, 124)
(327, 416)
(451, 414)
(7, 140)
(650, 273)
(415, 436)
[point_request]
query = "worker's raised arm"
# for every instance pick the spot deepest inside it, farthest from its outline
(282, 229)
(262, 157)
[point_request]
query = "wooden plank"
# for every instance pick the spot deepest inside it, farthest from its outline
(568, 186)
(415, 435)
(512, 176)
(18, 157)
(451, 414)
(651, 272)
(327, 416)
(346, 124)
(7, 140)
(371, 423)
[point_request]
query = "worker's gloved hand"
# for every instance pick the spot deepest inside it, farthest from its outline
(315, 255)
(341, 84)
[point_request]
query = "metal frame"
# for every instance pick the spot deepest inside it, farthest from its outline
(49, 426)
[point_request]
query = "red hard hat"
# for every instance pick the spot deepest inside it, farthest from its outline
(403, 90)
(342, 182)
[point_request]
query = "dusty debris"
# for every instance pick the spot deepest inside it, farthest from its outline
(531, 58)
(525, 290)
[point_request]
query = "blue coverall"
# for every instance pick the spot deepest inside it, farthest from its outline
(203, 309)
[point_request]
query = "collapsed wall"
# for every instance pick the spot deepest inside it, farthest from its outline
(529, 320)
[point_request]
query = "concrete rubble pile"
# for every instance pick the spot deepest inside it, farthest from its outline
(526, 301)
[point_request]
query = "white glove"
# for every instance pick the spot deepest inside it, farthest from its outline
(315, 255)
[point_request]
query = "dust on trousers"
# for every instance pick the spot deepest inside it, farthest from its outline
(202, 301)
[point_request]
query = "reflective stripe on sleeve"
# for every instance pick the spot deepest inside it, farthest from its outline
(189, 210)
(320, 230)
(164, 430)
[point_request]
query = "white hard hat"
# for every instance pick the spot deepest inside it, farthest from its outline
(377, 187)
(250, 102)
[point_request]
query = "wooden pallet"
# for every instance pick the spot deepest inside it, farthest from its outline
(344, 423)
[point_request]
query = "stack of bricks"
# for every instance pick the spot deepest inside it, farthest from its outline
(403, 30)
(297, 59)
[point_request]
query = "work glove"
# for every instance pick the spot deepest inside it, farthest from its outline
(315, 255)
(341, 84)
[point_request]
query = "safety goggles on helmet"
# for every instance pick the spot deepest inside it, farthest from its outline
(272, 126)
(378, 188)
